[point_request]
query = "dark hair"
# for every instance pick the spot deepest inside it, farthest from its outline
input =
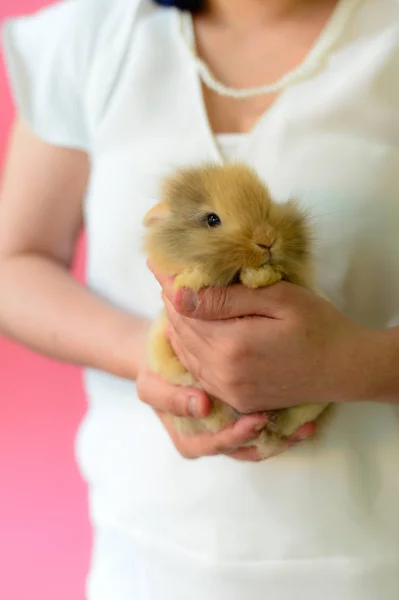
(191, 5)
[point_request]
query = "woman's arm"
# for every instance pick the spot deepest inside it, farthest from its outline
(40, 303)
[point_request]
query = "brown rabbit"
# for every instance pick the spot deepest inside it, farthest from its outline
(217, 225)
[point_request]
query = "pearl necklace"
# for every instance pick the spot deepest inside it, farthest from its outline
(329, 36)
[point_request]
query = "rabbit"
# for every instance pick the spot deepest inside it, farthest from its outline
(216, 226)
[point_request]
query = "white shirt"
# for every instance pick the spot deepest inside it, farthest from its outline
(230, 144)
(321, 521)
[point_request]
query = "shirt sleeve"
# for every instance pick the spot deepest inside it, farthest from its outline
(46, 56)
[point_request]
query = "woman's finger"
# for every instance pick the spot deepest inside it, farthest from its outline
(210, 444)
(248, 454)
(303, 433)
(231, 440)
(244, 430)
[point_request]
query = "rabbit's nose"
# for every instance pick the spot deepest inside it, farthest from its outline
(267, 250)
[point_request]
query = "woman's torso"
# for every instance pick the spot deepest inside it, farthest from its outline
(325, 511)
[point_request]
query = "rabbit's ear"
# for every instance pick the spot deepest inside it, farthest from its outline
(158, 213)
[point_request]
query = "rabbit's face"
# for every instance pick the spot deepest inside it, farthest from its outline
(222, 219)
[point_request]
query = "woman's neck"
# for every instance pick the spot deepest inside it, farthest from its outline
(246, 13)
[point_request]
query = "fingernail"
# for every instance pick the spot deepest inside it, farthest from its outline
(188, 301)
(193, 406)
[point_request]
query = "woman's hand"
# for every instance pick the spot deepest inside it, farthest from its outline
(292, 348)
(167, 399)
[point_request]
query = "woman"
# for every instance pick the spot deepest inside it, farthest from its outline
(112, 97)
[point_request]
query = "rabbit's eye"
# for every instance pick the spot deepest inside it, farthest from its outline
(213, 220)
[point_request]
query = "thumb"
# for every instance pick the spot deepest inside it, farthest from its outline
(173, 399)
(218, 303)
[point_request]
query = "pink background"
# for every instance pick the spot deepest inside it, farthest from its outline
(44, 529)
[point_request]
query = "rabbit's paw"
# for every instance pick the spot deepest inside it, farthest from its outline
(193, 279)
(255, 278)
